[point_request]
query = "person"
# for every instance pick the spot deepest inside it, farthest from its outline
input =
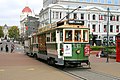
(6, 47)
(1, 47)
(12, 47)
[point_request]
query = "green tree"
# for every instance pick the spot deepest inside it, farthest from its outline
(1, 32)
(13, 32)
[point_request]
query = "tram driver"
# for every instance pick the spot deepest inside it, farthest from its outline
(77, 36)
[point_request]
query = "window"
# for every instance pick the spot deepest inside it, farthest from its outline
(60, 15)
(88, 25)
(88, 16)
(67, 17)
(85, 36)
(105, 17)
(117, 28)
(105, 28)
(57, 15)
(82, 16)
(53, 37)
(48, 37)
(68, 35)
(93, 27)
(111, 28)
(99, 28)
(111, 18)
(53, 14)
(94, 17)
(61, 35)
(100, 17)
(77, 35)
(75, 15)
(117, 18)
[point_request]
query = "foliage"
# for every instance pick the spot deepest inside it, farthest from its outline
(97, 48)
(13, 32)
(90, 36)
(1, 32)
(111, 49)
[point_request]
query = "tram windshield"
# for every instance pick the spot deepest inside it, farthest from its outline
(68, 35)
(81, 35)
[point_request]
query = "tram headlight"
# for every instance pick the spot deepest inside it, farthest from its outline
(78, 51)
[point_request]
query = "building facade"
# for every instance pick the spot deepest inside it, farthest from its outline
(113, 4)
(29, 23)
(95, 17)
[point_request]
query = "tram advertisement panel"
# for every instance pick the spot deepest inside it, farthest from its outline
(67, 49)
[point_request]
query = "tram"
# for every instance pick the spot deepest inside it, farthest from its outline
(64, 43)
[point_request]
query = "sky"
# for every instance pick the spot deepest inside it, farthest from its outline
(10, 10)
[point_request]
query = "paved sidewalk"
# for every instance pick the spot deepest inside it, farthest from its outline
(99, 64)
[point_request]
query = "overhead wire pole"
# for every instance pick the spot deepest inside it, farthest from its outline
(108, 11)
(70, 13)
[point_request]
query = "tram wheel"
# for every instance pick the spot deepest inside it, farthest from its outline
(89, 65)
(35, 56)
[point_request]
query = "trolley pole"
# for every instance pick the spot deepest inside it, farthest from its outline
(108, 35)
(69, 13)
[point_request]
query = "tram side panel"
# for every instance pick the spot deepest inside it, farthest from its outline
(41, 51)
(28, 47)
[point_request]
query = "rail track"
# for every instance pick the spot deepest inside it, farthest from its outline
(88, 74)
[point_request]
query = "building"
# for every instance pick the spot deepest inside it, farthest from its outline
(113, 4)
(28, 22)
(5, 31)
(95, 17)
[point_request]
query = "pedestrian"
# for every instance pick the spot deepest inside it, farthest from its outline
(1, 47)
(6, 47)
(12, 47)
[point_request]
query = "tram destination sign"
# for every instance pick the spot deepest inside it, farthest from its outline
(76, 22)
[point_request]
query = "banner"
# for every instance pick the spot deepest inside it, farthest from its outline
(67, 49)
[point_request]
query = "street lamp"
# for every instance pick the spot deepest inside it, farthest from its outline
(108, 11)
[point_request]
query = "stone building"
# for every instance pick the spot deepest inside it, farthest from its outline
(28, 22)
(95, 17)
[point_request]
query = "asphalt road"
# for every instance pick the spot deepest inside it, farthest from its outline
(16, 66)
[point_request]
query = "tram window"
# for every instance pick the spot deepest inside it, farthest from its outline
(53, 37)
(61, 35)
(48, 37)
(77, 35)
(85, 35)
(68, 35)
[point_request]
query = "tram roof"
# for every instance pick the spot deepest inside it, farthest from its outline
(63, 24)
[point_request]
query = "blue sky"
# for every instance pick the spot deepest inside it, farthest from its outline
(10, 10)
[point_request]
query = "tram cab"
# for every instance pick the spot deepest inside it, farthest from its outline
(65, 44)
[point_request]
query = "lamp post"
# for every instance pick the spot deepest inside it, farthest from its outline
(108, 11)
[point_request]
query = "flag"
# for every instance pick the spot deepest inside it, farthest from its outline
(26, 27)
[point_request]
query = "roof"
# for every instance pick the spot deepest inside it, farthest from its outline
(26, 9)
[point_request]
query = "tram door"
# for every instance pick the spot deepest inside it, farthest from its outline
(59, 39)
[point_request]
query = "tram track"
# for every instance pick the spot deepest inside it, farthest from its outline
(76, 76)
(85, 74)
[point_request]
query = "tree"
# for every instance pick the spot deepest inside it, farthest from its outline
(1, 32)
(13, 32)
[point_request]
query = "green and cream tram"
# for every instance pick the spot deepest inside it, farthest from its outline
(66, 43)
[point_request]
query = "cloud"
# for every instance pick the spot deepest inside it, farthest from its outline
(10, 10)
